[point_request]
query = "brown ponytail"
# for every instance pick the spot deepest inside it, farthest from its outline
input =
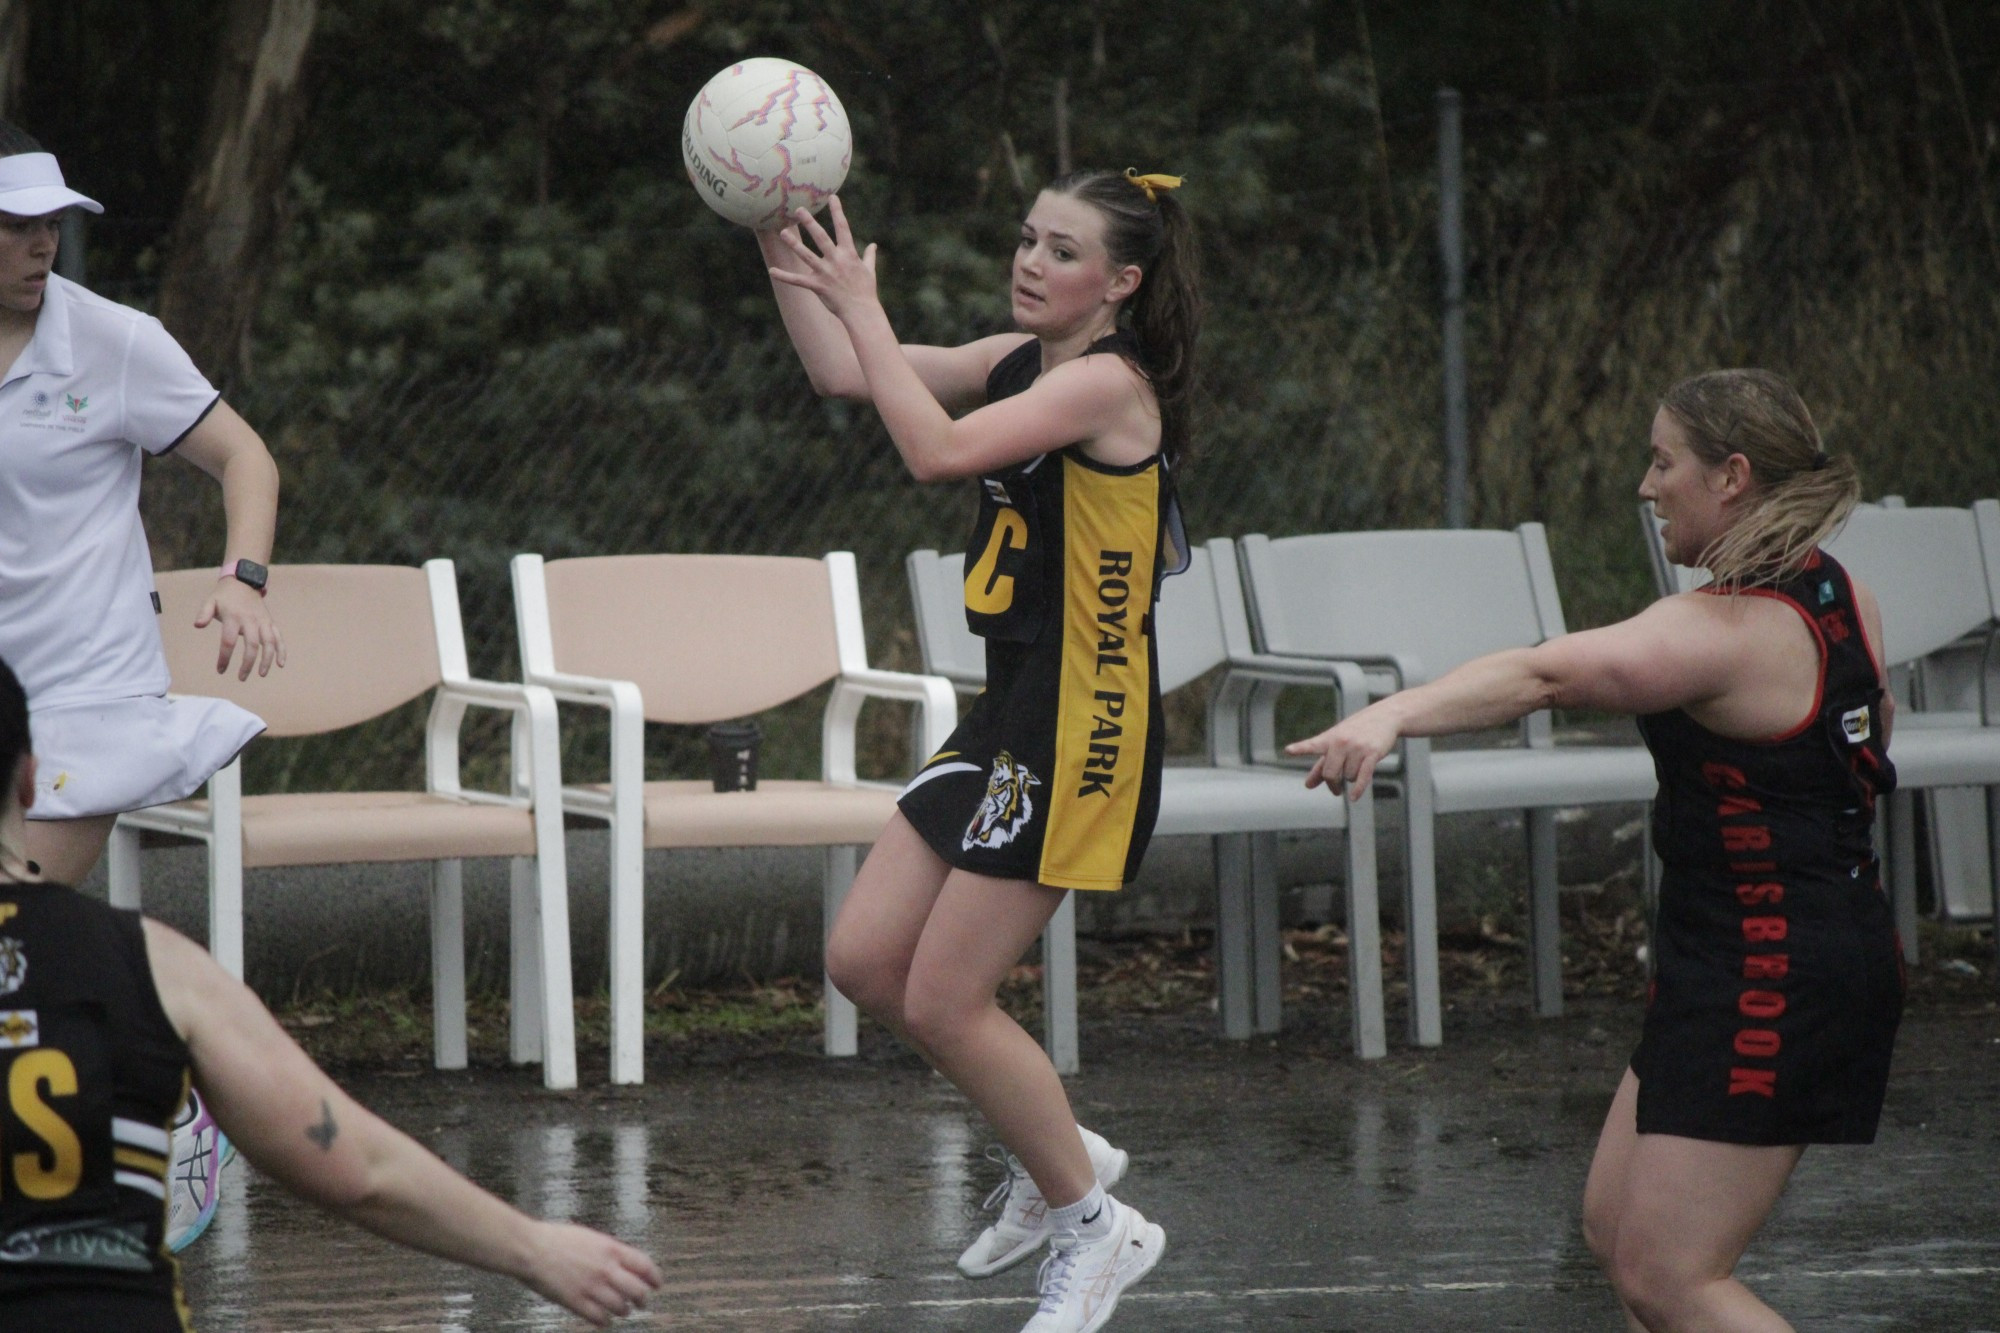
(1152, 230)
(1799, 495)
(13, 727)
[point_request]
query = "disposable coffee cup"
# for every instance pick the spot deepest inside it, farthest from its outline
(732, 754)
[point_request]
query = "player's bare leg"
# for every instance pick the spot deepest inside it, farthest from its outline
(874, 937)
(923, 949)
(1605, 1189)
(68, 849)
(1669, 1217)
(977, 931)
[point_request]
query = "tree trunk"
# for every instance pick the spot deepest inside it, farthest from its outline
(221, 248)
(13, 53)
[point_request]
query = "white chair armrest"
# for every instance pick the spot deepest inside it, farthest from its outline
(592, 690)
(1239, 708)
(1356, 689)
(1407, 668)
(1343, 674)
(881, 684)
(491, 693)
(937, 709)
(535, 772)
(620, 698)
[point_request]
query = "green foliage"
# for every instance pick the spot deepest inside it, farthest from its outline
(503, 322)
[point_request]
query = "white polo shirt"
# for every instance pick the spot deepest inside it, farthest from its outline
(99, 385)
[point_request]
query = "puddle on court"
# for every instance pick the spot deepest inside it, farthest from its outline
(1298, 1189)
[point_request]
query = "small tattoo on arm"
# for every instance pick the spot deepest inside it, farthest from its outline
(323, 1133)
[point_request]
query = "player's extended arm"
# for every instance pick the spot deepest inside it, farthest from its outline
(953, 377)
(1674, 653)
(818, 338)
(296, 1124)
(225, 447)
(1074, 403)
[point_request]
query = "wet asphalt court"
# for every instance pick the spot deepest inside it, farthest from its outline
(1298, 1189)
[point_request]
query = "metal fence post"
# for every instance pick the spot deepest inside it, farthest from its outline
(1451, 246)
(69, 247)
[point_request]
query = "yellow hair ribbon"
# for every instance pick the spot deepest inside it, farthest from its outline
(1152, 184)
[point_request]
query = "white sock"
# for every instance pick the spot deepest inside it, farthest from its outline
(1089, 1217)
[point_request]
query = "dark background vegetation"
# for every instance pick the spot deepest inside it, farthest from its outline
(491, 316)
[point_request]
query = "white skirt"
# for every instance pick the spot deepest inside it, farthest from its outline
(126, 754)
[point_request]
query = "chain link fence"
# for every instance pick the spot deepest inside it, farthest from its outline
(1594, 285)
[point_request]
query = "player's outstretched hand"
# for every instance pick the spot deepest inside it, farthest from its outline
(245, 620)
(832, 267)
(588, 1273)
(1347, 753)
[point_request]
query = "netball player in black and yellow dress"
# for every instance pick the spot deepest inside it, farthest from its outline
(1778, 979)
(1051, 781)
(104, 1019)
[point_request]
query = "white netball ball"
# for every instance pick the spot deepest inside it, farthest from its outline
(764, 137)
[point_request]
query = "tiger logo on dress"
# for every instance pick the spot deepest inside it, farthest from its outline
(13, 965)
(1007, 806)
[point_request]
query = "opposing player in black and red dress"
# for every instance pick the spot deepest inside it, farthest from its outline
(104, 1017)
(1778, 983)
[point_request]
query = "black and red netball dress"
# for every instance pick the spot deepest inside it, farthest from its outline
(1053, 774)
(1778, 983)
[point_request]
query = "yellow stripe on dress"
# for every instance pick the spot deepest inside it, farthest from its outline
(1111, 525)
(140, 1161)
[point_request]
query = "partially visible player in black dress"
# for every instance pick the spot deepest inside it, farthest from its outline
(104, 1017)
(1051, 781)
(1778, 982)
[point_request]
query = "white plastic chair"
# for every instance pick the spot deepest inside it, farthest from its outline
(1408, 607)
(1200, 625)
(362, 640)
(705, 638)
(1934, 572)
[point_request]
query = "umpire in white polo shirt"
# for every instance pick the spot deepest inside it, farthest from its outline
(90, 388)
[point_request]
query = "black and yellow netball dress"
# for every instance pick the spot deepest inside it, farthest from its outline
(1054, 772)
(91, 1071)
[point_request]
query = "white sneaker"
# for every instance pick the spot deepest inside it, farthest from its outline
(194, 1180)
(1024, 1213)
(1081, 1280)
